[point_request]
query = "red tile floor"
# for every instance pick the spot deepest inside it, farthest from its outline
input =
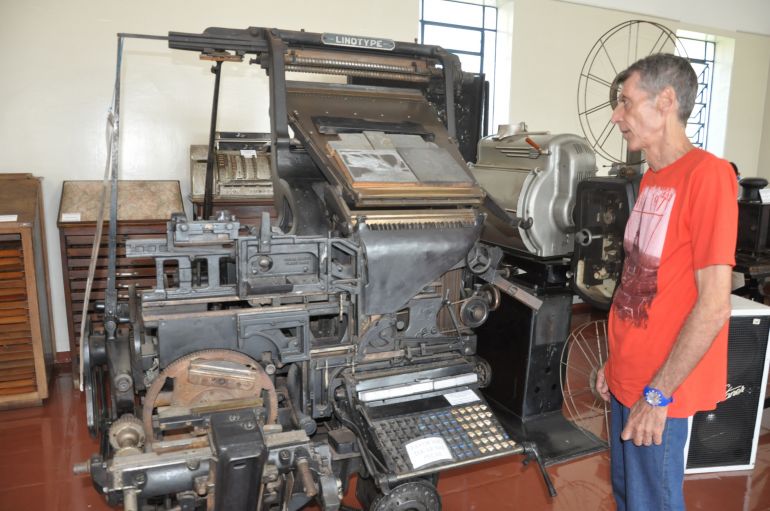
(38, 447)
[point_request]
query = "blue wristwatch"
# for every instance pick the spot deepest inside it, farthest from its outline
(654, 397)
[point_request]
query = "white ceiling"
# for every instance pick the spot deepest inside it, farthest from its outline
(751, 16)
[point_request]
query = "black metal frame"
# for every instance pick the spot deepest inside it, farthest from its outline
(270, 47)
(482, 29)
(443, 85)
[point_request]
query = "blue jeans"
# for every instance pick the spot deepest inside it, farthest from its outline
(647, 478)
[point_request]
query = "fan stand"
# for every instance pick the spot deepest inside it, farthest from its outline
(584, 354)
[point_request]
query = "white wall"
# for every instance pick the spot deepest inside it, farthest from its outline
(747, 117)
(764, 150)
(735, 16)
(546, 62)
(551, 40)
(58, 62)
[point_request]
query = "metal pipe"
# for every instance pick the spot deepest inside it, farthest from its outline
(81, 468)
(396, 478)
(111, 293)
(307, 478)
(143, 36)
(130, 500)
(209, 187)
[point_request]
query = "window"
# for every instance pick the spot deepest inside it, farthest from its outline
(469, 30)
(700, 53)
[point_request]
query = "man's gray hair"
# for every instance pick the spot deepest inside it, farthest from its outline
(660, 70)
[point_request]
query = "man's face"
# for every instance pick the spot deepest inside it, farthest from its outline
(636, 115)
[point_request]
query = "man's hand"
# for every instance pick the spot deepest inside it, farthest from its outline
(601, 384)
(645, 424)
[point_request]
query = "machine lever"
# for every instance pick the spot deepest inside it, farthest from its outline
(509, 288)
(531, 452)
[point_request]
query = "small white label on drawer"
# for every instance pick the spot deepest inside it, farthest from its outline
(764, 195)
(70, 217)
(462, 397)
(9, 218)
(756, 321)
(427, 450)
(248, 153)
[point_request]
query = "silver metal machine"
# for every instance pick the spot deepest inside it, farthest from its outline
(534, 175)
(568, 240)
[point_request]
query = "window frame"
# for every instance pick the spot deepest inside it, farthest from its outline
(483, 30)
(705, 88)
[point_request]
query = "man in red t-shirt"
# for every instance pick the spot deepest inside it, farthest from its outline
(668, 322)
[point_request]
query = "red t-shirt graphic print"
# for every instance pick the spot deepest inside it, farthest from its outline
(643, 244)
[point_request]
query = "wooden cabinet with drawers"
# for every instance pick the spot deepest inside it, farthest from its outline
(144, 207)
(26, 334)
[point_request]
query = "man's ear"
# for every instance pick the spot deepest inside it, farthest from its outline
(666, 100)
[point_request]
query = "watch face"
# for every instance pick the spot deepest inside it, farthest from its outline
(652, 397)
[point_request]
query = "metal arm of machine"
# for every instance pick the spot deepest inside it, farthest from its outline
(494, 208)
(483, 260)
(509, 288)
(331, 54)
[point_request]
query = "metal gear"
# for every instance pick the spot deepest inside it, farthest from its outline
(411, 496)
(484, 372)
(126, 432)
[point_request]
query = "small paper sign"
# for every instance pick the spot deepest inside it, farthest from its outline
(249, 153)
(764, 194)
(427, 450)
(462, 397)
(70, 217)
(9, 218)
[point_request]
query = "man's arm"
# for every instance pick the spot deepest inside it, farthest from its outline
(711, 310)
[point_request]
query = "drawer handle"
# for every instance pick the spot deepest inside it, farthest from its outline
(127, 274)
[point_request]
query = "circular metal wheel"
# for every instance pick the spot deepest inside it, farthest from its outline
(91, 382)
(617, 49)
(492, 295)
(478, 259)
(411, 496)
(190, 389)
(98, 405)
(584, 353)
(474, 312)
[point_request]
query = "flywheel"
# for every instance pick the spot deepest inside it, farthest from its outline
(209, 380)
